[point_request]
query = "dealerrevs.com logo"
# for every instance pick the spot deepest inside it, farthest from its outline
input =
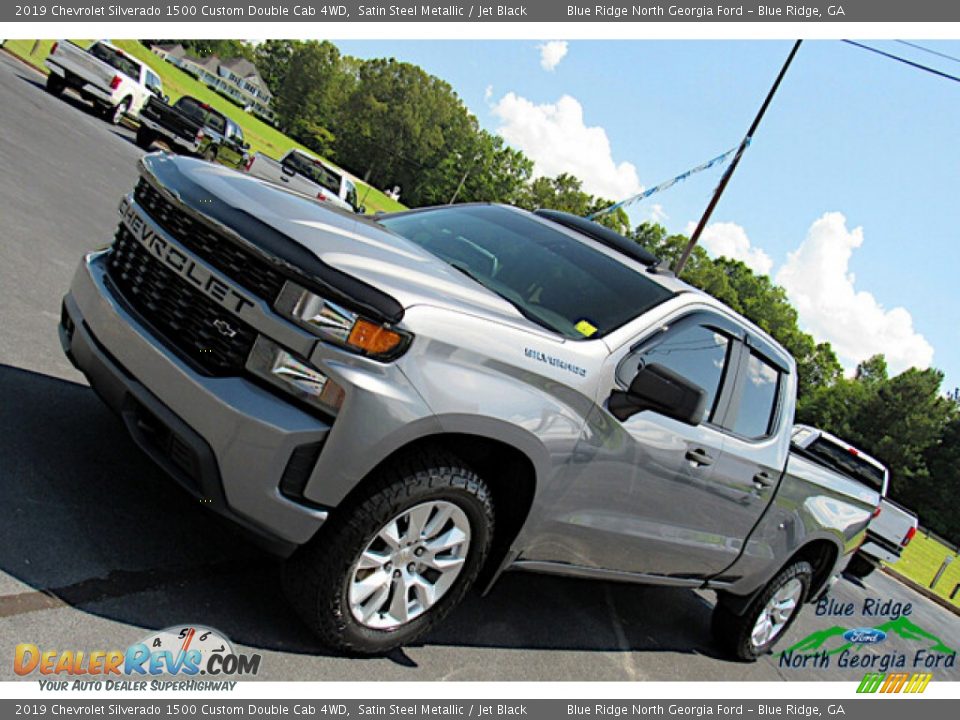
(187, 651)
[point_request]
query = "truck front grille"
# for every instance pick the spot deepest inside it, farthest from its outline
(186, 320)
(221, 252)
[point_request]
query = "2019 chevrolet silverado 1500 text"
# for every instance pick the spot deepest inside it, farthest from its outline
(407, 404)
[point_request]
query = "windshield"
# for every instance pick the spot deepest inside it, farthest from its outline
(201, 113)
(116, 60)
(848, 463)
(549, 276)
(313, 170)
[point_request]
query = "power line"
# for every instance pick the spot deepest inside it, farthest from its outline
(929, 50)
(903, 60)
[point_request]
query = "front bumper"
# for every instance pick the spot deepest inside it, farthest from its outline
(229, 442)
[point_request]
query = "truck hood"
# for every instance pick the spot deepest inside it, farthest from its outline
(346, 242)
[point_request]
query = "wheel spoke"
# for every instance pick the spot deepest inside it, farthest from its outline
(372, 560)
(390, 534)
(418, 520)
(439, 519)
(450, 539)
(375, 602)
(400, 603)
(363, 589)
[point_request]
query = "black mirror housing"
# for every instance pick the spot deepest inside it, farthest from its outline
(661, 390)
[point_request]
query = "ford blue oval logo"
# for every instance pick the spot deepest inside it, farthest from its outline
(865, 636)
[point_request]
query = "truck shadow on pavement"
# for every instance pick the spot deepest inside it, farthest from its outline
(90, 523)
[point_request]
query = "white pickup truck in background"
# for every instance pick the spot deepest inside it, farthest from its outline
(887, 535)
(116, 83)
(304, 174)
(892, 526)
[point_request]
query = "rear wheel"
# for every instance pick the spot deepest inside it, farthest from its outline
(859, 567)
(389, 566)
(767, 617)
(55, 84)
(145, 137)
(116, 114)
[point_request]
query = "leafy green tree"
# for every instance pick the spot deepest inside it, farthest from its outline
(311, 98)
(273, 61)
(398, 126)
(564, 192)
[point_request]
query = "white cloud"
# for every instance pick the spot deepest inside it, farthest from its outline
(551, 53)
(819, 284)
(656, 213)
(488, 93)
(556, 138)
(730, 240)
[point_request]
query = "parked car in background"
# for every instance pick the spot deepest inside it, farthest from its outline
(892, 526)
(302, 173)
(114, 81)
(887, 535)
(192, 127)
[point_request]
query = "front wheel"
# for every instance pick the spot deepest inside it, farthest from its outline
(767, 618)
(390, 565)
(55, 84)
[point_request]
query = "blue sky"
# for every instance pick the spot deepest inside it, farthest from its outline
(855, 170)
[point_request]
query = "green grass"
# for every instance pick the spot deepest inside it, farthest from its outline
(176, 83)
(22, 48)
(920, 561)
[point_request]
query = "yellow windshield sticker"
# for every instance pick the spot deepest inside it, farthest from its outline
(585, 328)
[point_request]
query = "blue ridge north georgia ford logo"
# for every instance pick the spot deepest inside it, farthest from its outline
(865, 636)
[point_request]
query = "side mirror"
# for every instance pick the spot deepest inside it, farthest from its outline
(663, 391)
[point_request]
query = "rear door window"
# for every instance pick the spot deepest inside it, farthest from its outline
(760, 389)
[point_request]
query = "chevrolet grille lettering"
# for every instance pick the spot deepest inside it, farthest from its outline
(173, 258)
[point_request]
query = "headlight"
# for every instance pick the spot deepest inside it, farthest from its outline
(334, 323)
(293, 375)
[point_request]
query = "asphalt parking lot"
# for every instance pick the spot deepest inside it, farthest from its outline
(99, 548)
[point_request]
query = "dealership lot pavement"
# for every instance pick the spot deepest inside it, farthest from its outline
(98, 548)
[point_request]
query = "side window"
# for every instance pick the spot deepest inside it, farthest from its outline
(696, 352)
(758, 400)
(153, 83)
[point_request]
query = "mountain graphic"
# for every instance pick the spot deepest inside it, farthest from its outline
(820, 641)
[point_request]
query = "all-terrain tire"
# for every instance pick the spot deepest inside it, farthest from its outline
(735, 632)
(318, 576)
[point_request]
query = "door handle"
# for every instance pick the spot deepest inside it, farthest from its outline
(762, 480)
(699, 457)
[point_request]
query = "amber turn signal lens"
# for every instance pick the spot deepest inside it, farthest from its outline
(373, 339)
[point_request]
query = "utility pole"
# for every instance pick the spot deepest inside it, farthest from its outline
(733, 164)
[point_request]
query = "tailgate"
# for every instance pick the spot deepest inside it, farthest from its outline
(84, 65)
(175, 121)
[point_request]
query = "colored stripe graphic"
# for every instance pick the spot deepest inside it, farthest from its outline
(894, 683)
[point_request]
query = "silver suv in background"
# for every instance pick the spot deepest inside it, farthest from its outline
(410, 405)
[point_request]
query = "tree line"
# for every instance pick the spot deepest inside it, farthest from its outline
(394, 124)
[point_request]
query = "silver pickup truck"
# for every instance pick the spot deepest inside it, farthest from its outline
(114, 81)
(302, 173)
(410, 405)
